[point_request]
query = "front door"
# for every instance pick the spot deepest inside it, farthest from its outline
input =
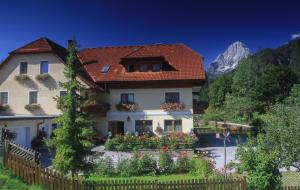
(116, 127)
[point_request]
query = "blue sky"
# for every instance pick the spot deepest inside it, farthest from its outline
(206, 26)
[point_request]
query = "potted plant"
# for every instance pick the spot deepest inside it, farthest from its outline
(22, 77)
(127, 107)
(176, 106)
(32, 107)
(3, 107)
(42, 77)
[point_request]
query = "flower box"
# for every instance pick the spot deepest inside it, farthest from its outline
(172, 106)
(42, 77)
(32, 107)
(3, 107)
(94, 106)
(22, 77)
(127, 107)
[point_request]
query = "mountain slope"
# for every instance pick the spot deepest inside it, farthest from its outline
(228, 60)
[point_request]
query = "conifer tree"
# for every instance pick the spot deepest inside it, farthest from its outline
(70, 138)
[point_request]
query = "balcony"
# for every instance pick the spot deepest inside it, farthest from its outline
(95, 107)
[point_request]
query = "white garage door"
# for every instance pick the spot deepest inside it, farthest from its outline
(22, 135)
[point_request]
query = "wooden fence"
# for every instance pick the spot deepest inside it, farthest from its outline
(196, 184)
(33, 173)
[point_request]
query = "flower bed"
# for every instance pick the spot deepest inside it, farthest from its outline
(172, 106)
(127, 107)
(170, 141)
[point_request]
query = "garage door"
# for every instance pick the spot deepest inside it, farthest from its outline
(22, 135)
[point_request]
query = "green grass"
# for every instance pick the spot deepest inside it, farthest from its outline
(10, 182)
(291, 178)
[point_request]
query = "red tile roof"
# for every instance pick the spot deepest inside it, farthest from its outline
(188, 64)
(42, 45)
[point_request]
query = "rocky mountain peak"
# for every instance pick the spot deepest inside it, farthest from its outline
(228, 60)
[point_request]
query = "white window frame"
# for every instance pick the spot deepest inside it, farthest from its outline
(26, 68)
(8, 99)
(120, 94)
(172, 92)
(37, 96)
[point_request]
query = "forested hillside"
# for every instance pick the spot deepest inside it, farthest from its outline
(259, 82)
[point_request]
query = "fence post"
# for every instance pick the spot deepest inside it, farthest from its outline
(245, 183)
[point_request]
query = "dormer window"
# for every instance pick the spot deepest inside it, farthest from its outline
(23, 68)
(130, 68)
(44, 67)
(156, 67)
(144, 68)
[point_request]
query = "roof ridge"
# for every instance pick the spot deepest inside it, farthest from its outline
(128, 46)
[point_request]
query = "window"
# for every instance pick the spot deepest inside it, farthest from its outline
(172, 97)
(144, 68)
(156, 67)
(105, 69)
(33, 99)
(130, 68)
(3, 97)
(127, 98)
(44, 67)
(173, 126)
(143, 126)
(23, 67)
(63, 93)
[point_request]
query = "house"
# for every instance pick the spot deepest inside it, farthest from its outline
(133, 89)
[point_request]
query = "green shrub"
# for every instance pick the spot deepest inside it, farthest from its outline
(166, 164)
(201, 167)
(147, 165)
(105, 167)
(131, 142)
(183, 164)
(125, 169)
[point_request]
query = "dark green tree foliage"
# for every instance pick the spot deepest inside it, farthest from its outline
(70, 138)
(261, 164)
(218, 90)
(258, 83)
(282, 127)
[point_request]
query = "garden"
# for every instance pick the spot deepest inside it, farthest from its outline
(147, 167)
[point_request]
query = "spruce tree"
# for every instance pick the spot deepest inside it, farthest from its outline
(70, 138)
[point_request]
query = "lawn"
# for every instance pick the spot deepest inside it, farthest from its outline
(9, 182)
